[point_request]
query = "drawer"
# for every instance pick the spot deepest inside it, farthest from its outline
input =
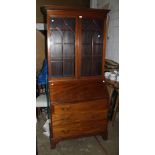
(80, 129)
(77, 90)
(67, 118)
(95, 105)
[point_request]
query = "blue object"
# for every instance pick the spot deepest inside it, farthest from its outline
(42, 80)
(42, 77)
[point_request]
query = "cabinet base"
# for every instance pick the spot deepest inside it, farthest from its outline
(53, 143)
(105, 136)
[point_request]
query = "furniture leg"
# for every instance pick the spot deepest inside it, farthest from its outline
(105, 136)
(115, 110)
(53, 144)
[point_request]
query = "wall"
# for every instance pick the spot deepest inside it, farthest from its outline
(113, 32)
(39, 3)
(40, 50)
(112, 51)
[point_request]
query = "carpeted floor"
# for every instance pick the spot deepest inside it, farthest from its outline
(81, 146)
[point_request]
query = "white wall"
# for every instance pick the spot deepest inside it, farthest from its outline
(112, 51)
(93, 3)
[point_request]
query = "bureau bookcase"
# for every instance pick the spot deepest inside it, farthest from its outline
(76, 46)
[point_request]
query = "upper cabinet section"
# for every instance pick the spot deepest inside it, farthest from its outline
(76, 39)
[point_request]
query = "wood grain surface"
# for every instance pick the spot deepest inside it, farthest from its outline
(77, 91)
(81, 128)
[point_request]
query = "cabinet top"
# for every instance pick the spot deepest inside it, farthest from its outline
(46, 8)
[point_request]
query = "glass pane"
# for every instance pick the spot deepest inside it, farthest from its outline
(62, 23)
(56, 68)
(56, 23)
(92, 24)
(92, 47)
(98, 38)
(86, 50)
(68, 67)
(56, 51)
(97, 24)
(56, 37)
(62, 46)
(68, 37)
(86, 66)
(86, 37)
(86, 24)
(69, 24)
(68, 51)
(97, 50)
(97, 65)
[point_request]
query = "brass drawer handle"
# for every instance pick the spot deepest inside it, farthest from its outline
(65, 109)
(65, 131)
(65, 118)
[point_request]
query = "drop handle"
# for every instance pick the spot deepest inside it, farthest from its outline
(65, 118)
(65, 131)
(65, 109)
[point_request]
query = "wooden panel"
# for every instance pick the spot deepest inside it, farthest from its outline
(79, 129)
(73, 10)
(56, 4)
(72, 117)
(80, 106)
(77, 91)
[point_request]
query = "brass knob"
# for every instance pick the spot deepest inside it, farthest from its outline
(63, 109)
(65, 131)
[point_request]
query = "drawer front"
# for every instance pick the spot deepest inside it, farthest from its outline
(79, 129)
(88, 106)
(77, 90)
(67, 118)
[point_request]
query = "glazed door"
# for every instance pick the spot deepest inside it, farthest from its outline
(91, 47)
(62, 47)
